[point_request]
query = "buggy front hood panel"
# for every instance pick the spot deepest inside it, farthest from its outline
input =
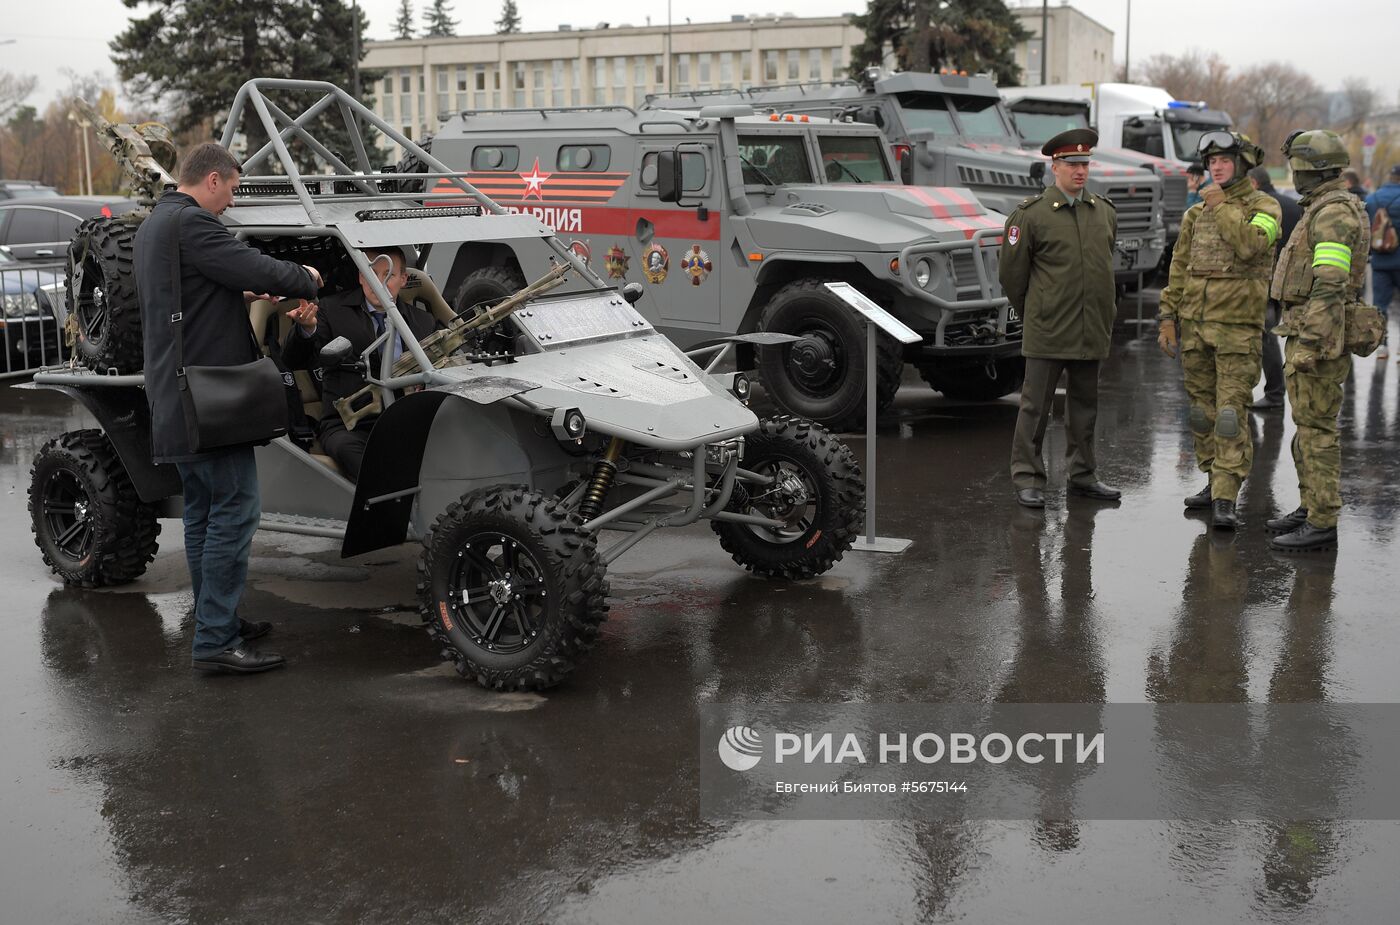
(641, 389)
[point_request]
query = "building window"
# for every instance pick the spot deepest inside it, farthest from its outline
(461, 78)
(556, 90)
(480, 76)
(814, 64)
(405, 106)
(681, 67)
(537, 85)
(619, 73)
(388, 109)
(388, 85)
(575, 83)
(639, 71)
(770, 65)
(422, 81)
(746, 65)
(405, 86)
(838, 66)
(703, 66)
(726, 68)
(794, 65)
(660, 72)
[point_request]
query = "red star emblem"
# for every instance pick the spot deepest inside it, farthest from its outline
(534, 181)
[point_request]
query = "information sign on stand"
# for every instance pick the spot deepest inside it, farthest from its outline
(876, 320)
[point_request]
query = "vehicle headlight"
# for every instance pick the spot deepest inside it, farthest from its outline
(923, 273)
(18, 304)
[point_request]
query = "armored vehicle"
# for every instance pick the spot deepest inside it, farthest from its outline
(770, 208)
(510, 442)
(1040, 114)
(954, 130)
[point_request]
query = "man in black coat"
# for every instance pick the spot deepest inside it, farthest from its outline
(355, 315)
(188, 263)
(1273, 355)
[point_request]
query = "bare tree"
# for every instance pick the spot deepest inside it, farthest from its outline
(1194, 75)
(14, 90)
(1358, 101)
(1276, 98)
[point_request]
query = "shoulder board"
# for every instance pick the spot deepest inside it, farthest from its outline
(1030, 200)
(1102, 198)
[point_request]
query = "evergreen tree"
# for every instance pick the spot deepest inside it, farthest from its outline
(438, 21)
(510, 18)
(970, 35)
(403, 26)
(191, 56)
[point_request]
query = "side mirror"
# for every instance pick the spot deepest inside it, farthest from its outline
(1038, 171)
(632, 292)
(336, 352)
(921, 138)
(668, 176)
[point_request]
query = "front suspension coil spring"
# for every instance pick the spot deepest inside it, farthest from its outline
(603, 474)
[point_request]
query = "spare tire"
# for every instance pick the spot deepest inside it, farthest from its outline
(410, 163)
(101, 295)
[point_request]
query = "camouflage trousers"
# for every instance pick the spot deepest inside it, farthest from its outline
(1316, 399)
(1221, 365)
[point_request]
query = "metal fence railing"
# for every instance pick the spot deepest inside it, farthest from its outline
(31, 297)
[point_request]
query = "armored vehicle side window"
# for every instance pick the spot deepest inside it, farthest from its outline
(775, 159)
(495, 157)
(847, 158)
(981, 116)
(1144, 136)
(926, 111)
(1037, 128)
(584, 157)
(692, 171)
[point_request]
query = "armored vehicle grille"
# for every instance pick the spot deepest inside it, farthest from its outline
(1173, 198)
(965, 282)
(1134, 208)
(976, 175)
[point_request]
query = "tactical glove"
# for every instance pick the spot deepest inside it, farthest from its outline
(1304, 361)
(1213, 195)
(1166, 337)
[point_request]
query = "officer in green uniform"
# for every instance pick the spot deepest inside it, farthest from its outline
(1320, 271)
(1057, 271)
(1218, 291)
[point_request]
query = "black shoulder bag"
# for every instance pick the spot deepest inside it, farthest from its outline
(226, 406)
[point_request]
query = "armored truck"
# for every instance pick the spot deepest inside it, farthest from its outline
(771, 207)
(954, 130)
(1039, 116)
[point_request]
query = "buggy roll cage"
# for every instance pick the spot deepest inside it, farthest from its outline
(367, 185)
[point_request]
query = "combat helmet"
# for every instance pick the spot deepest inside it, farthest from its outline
(1316, 156)
(1237, 145)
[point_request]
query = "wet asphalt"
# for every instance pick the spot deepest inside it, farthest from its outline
(367, 783)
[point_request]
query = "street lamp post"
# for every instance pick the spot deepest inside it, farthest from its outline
(83, 133)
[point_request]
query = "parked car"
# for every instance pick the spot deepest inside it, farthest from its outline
(39, 228)
(29, 326)
(24, 189)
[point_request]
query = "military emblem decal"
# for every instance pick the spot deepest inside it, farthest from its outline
(534, 181)
(656, 263)
(1013, 234)
(615, 261)
(697, 264)
(581, 248)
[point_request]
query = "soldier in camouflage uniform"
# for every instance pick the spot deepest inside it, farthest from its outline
(1320, 271)
(1219, 292)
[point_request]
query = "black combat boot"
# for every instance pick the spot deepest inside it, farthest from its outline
(1306, 538)
(1200, 499)
(1223, 515)
(1288, 522)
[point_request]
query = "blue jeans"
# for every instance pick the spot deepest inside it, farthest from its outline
(221, 514)
(1383, 286)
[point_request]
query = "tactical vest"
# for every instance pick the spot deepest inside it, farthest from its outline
(1293, 276)
(1214, 258)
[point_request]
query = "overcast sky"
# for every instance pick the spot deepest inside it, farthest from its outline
(1361, 33)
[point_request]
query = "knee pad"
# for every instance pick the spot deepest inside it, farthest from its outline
(1200, 423)
(1227, 423)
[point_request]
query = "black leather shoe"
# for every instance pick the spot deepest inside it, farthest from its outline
(1288, 522)
(1266, 404)
(241, 660)
(1200, 499)
(1097, 490)
(1030, 497)
(1223, 515)
(1306, 538)
(251, 631)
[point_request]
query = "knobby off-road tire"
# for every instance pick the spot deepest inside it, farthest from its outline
(822, 378)
(485, 287)
(410, 163)
(977, 383)
(101, 295)
(512, 588)
(90, 525)
(820, 531)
